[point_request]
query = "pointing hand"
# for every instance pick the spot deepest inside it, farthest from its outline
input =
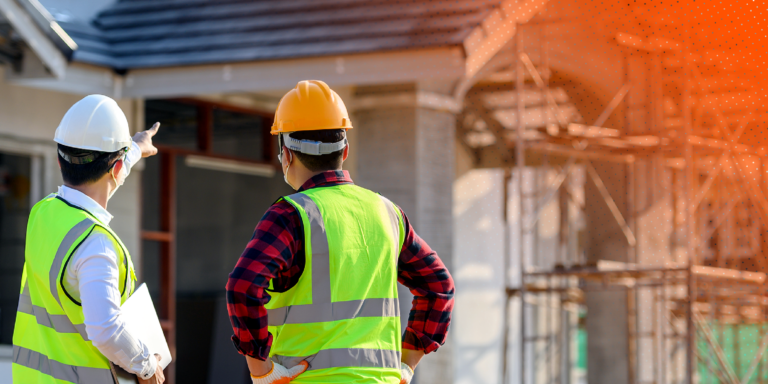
(144, 141)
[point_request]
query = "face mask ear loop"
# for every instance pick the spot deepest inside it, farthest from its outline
(114, 178)
(285, 174)
(112, 173)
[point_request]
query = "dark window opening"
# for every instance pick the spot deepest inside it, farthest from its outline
(15, 182)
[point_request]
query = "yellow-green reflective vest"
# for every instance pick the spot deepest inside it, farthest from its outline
(50, 344)
(342, 316)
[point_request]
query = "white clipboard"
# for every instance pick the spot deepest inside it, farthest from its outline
(142, 322)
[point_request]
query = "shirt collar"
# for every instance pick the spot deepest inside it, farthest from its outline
(79, 199)
(326, 179)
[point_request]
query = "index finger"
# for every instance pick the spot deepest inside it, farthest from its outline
(153, 131)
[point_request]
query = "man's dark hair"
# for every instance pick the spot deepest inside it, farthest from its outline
(92, 171)
(319, 163)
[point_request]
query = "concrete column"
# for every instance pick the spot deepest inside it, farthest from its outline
(406, 152)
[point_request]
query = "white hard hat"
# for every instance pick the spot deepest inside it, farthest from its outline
(95, 123)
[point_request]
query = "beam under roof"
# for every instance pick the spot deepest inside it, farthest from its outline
(43, 35)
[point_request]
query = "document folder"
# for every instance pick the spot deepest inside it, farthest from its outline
(142, 322)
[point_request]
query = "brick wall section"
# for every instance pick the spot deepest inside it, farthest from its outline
(386, 160)
(435, 151)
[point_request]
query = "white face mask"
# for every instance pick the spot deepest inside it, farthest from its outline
(118, 184)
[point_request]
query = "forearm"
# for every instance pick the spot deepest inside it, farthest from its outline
(249, 324)
(412, 357)
(104, 324)
(258, 367)
(430, 315)
(421, 270)
(245, 305)
(129, 353)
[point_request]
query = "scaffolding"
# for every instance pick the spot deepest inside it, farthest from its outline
(683, 316)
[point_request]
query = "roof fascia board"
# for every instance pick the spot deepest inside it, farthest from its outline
(490, 37)
(50, 27)
(41, 43)
(359, 69)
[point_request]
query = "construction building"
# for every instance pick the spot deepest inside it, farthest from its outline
(590, 172)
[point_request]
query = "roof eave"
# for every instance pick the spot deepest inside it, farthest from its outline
(395, 66)
(43, 35)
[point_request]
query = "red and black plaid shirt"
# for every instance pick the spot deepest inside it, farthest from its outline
(276, 252)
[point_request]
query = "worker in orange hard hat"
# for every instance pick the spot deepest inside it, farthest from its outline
(313, 298)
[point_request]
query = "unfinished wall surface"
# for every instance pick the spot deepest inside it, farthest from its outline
(406, 153)
(478, 215)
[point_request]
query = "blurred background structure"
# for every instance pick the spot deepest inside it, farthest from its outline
(591, 172)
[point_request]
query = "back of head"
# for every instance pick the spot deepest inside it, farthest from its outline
(326, 162)
(312, 113)
(82, 166)
(92, 135)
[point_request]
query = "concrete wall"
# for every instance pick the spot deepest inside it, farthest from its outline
(406, 152)
(478, 216)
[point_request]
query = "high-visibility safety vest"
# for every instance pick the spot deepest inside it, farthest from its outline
(342, 316)
(50, 344)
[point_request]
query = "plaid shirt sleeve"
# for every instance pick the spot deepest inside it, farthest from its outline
(421, 270)
(271, 254)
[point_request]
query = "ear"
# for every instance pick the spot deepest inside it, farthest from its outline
(346, 153)
(288, 155)
(58, 161)
(117, 167)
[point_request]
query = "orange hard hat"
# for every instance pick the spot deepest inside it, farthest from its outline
(311, 106)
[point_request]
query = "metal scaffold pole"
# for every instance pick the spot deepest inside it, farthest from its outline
(690, 219)
(520, 168)
(507, 325)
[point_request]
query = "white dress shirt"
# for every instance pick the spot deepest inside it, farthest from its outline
(92, 276)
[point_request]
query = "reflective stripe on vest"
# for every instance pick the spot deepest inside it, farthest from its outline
(60, 323)
(344, 357)
(340, 310)
(394, 219)
(61, 253)
(39, 362)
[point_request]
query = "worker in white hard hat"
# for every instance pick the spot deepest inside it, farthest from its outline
(77, 273)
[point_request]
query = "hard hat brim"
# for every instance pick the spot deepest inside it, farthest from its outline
(94, 148)
(278, 130)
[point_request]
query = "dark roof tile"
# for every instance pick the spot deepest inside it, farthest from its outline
(154, 33)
